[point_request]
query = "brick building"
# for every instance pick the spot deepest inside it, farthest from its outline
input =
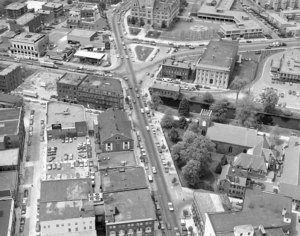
(56, 8)
(165, 90)
(29, 22)
(10, 78)
(176, 70)
(15, 10)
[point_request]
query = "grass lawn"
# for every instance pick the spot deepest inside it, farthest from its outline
(246, 70)
(143, 52)
(153, 34)
(134, 31)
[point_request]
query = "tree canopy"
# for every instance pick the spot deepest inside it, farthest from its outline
(275, 136)
(219, 110)
(193, 171)
(238, 84)
(174, 135)
(156, 101)
(184, 107)
(167, 121)
(245, 113)
(182, 123)
(208, 97)
(269, 100)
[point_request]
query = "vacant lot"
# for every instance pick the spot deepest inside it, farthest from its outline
(143, 52)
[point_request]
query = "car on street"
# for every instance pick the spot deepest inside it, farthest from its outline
(29, 142)
(170, 205)
(154, 170)
(147, 128)
(23, 209)
(22, 221)
(30, 134)
(37, 227)
(21, 229)
(32, 112)
(26, 193)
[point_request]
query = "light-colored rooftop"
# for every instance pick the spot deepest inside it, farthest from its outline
(72, 78)
(278, 18)
(103, 83)
(9, 121)
(9, 180)
(27, 17)
(243, 25)
(15, 6)
(82, 33)
(116, 159)
(6, 207)
(36, 5)
(166, 86)
(9, 69)
(53, 4)
(170, 62)
(291, 62)
(9, 157)
(65, 114)
(27, 37)
(91, 55)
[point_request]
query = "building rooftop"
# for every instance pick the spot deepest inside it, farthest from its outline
(9, 121)
(27, 17)
(244, 24)
(9, 180)
(9, 157)
(290, 190)
(72, 79)
(66, 210)
(65, 190)
(91, 55)
(36, 5)
(114, 122)
(82, 33)
(103, 83)
(257, 199)
(291, 166)
(219, 55)
(247, 161)
(123, 179)
(53, 4)
(236, 175)
(15, 6)
(131, 206)
(226, 221)
(27, 37)
(10, 99)
(232, 134)
(170, 62)
(291, 62)
(166, 86)
(6, 216)
(9, 69)
(65, 114)
(116, 159)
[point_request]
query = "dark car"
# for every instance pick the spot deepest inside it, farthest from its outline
(26, 193)
(21, 228)
(23, 209)
(32, 112)
(22, 222)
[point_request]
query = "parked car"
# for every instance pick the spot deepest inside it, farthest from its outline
(170, 205)
(26, 193)
(22, 221)
(23, 209)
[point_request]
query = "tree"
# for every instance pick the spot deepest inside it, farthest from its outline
(184, 107)
(70, 1)
(174, 180)
(193, 171)
(245, 114)
(194, 127)
(167, 121)
(102, 6)
(156, 101)
(275, 136)
(182, 123)
(223, 161)
(269, 100)
(191, 229)
(238, 84)
(185, 213)
(219, 110)
(173, 135)
(208, 98)
(218, 169)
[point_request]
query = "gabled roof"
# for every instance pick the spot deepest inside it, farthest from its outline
(247, 161)
(234, 175)
(113, 122)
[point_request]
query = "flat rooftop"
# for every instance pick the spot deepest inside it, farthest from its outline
(9, 157)
(65, 190)
(244, 25)
(82, 33)
(36, 5)
(116, 159)
(27, 17)
(132, 206)
(66, 210)
(291, 62)
(219, 55)
(103, 83)
(6, 208)
(53, 4)
(9, 121)
(123, 179)
(27, 37)
(65, 114)
(72, 79)
(166, 86)
(91, 55)
(170, 62)
(9, 180)
(15, 6)
(9, 69)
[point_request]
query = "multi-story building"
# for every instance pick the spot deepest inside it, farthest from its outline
(29, 22)
(47, 16)
(29, 45)
(15, 10)
(284, 4)
(115, 131)
(216, 65)
(10, 101)
(65, 119)
(10, 159)
(67, 210)
(8, 217)
(288, 67)
(176, 70)
(101, 93)
(165, 90)
(56, 8)
(10, 78)
(157, 13)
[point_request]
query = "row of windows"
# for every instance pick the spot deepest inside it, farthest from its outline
(235, 186)
(23, 47)
(24, 53)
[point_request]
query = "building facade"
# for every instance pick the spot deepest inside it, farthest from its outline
(10, 101)
(176, 70)
(237, 31)
(165, 90)
(216, 65)
(15, 10)
(29, 45)
(29, 22)
(56, 8)
(10, 78)
(157, 13)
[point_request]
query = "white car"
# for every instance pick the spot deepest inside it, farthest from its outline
(147, 128)
(127, 57)
(170, 205)
(154, 170)
(142, 111)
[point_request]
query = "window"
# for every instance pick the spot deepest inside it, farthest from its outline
(69, 230)
(126, 145)
(109, 147)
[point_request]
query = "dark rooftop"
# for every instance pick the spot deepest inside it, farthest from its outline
(15, 6)
(219, 54)
(131, 206)
(9, 121)
(112, 122)
(72, 79)
(123, 179)
(170, 62)
(6, 206)
(10, 99)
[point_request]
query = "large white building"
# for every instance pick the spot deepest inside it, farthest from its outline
(29, 45)
(157, 13)
(215, 66)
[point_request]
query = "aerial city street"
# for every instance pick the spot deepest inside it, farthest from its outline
(149, 118)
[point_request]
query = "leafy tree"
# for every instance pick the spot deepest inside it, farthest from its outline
(182, 123)
(193, 171)
(189, 137)
(185, 213)
(223, 161)
(184, 107)
(176, 150)
(174, 180)
(156, 101)
(275, 136)
(174, 135)
(208, 97)
(219, 110)
(167, 121)
(194, 127)
(191, 229)
(70, 1)
(133, 20)
(218, 169)
(102, 6)
(238, 84)
(269, 100)
(245, 113)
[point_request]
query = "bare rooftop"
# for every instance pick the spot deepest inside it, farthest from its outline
(15, 6)
(123, 179)
(291, 62)
(9, 157)
(28, 37)
(170, 62)
(9, 121)
(219, 54)
(27, 17)
(116, 159)
(53, 5)
(132, 206)
(72, 79)
(65, 114)
(103, 83)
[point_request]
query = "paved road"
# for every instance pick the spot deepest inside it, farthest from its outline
(153, 156)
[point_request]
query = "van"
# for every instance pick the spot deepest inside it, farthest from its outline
(150, 178)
